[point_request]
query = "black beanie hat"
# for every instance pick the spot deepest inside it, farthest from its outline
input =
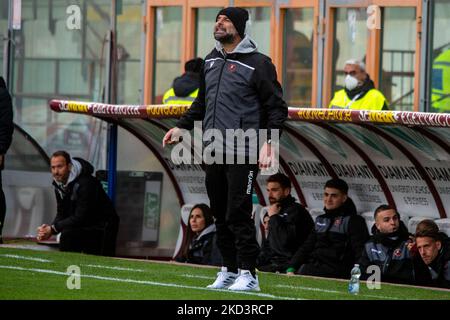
(238, 16)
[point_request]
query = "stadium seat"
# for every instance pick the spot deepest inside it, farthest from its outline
(414, 221)
(185, 210)
(444, 225)
(405, 218)
(256, 214)
(370, 220)
(315, 212)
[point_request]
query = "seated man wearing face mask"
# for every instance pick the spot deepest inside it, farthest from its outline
(359, 92)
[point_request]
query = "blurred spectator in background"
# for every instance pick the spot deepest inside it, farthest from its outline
(6, 132)
(185, 87)
(359, 91)
(85, 217)
(289, 225)
(199, 244)
(440, 83)
(388, 248)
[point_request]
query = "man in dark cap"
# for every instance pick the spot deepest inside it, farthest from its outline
(338, 239)
(185, 87)
(6, 132)
(239, 90)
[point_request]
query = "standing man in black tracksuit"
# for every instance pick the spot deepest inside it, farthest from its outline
(388, 249)
(6, 132)
(289, 226)
(238, 90)
(85, 217)
(338, 240)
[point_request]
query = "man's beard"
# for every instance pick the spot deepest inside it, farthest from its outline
(273, 200)
(227, 38)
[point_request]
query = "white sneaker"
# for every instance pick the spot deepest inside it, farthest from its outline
(224, 279)
(245, 282)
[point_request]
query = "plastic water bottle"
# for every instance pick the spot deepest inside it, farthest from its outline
(353, 285)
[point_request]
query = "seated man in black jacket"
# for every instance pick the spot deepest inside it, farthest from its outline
(338, 239)
(289, 226)
(6, 132)
(434, 250)
(388, 248)
(85, 217)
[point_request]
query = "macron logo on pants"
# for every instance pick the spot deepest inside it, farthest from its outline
(249, 183)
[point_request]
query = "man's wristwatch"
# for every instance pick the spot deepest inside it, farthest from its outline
(269, 141)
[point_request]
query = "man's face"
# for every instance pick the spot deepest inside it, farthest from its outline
(60, 169)
(355, 71)
(276, 193)
(333, 198)
(224, 30)
(387, 221)
(428, 248)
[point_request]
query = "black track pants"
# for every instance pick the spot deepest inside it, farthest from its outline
(230, 189)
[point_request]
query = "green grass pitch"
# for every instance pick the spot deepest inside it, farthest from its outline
(34, 275)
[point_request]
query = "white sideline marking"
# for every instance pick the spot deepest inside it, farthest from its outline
(15, 256)
(112, 268)
(162, 284)
(195, 276)
(330, 291)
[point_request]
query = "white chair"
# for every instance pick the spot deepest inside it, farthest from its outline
(370, 220)
(256, 215)
(405, 218)
(444, 225)
(184, 220)
(414, 221)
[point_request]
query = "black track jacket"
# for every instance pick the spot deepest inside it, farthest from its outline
(238, 90)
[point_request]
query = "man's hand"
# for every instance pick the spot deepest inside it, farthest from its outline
(268, 162)
(290, 273)
(172, 136)
(265, 156)
(273, 209)
(44, 232)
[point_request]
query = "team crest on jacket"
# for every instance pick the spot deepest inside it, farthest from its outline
(232, 67)
(397, 253)
(337, 222)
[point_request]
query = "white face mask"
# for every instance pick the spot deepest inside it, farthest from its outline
(350, 82)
